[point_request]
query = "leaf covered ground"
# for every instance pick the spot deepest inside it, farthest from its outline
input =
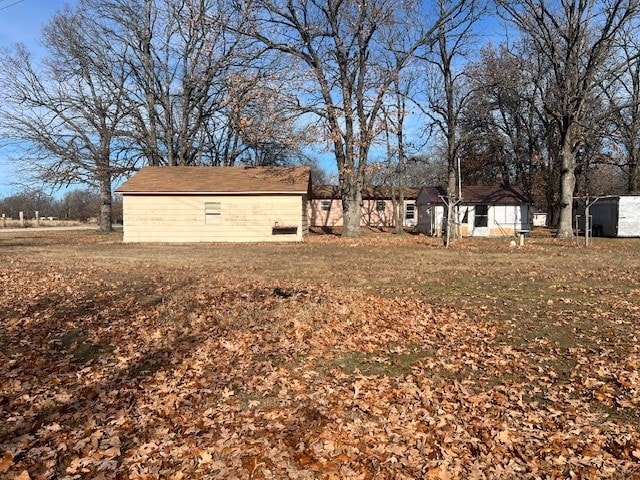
(381, 357)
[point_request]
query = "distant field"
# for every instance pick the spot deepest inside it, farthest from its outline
(380, 357)
(41, 223)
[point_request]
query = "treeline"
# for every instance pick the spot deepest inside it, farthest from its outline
(81, 205)
(552, 104)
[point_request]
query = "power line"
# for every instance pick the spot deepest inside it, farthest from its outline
(10, 5)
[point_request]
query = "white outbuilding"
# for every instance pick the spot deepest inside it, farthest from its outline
(615, 216)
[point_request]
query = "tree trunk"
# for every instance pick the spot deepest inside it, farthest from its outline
(451, 202)
(399, 211)
(634, 177)
(105, 205)
(351, 209)
(148, 71)
(567, 187)
(400, 139)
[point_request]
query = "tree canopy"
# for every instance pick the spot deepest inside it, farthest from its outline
(126, 83)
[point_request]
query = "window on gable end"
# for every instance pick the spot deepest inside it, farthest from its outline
(212, 213)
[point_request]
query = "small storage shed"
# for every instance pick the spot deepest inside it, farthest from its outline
(540, 219)
(485, 211)
(325, 206)
(616, 216)
(216, 204)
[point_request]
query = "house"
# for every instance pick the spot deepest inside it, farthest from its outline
(216, 204)
(325, 206)
(615, 215)
(483, 212)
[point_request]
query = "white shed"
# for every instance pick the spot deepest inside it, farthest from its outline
(540, 219)
(616, 216)
(484, 212)
(216, 204)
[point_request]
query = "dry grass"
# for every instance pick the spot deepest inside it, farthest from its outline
(552, 325)
(547, 277)
(42, 223)
(471, 271)
(531, 286)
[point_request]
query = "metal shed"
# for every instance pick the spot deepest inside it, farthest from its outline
(616, 216)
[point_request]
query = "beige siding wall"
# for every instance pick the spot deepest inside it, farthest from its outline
(305, 215)
(165, 218)
(371, 216)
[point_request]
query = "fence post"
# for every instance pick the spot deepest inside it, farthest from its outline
(22, 224)
(37, 218)
(4, 221)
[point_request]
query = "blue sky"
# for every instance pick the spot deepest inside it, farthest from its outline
(22, 22)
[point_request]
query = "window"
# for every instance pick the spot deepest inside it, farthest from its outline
(410, 213)
(380, 205)
(212, 211)
(481, 216)
(325, 205)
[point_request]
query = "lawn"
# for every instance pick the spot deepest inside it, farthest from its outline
(380, 357)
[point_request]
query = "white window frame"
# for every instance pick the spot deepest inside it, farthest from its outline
(212, 213)
(481, 220)
(410, 208)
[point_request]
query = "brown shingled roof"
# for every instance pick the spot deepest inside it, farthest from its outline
(174, 180)
(377, 192)
(490, 195)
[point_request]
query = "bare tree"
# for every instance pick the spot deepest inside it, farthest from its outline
(500, 122)
(393, 119)
(199, 94)
(262, 119)
(505, 128)
(178, 55)
(624, 104)
(446, 92)
(64, 114)
(79, 205)
(573, 40)
(427, 169)
(348, 52)
(145, 81)
(27, 201)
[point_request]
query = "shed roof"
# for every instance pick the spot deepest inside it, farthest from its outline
(377, 192)
(491, 195)
(175, 180)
